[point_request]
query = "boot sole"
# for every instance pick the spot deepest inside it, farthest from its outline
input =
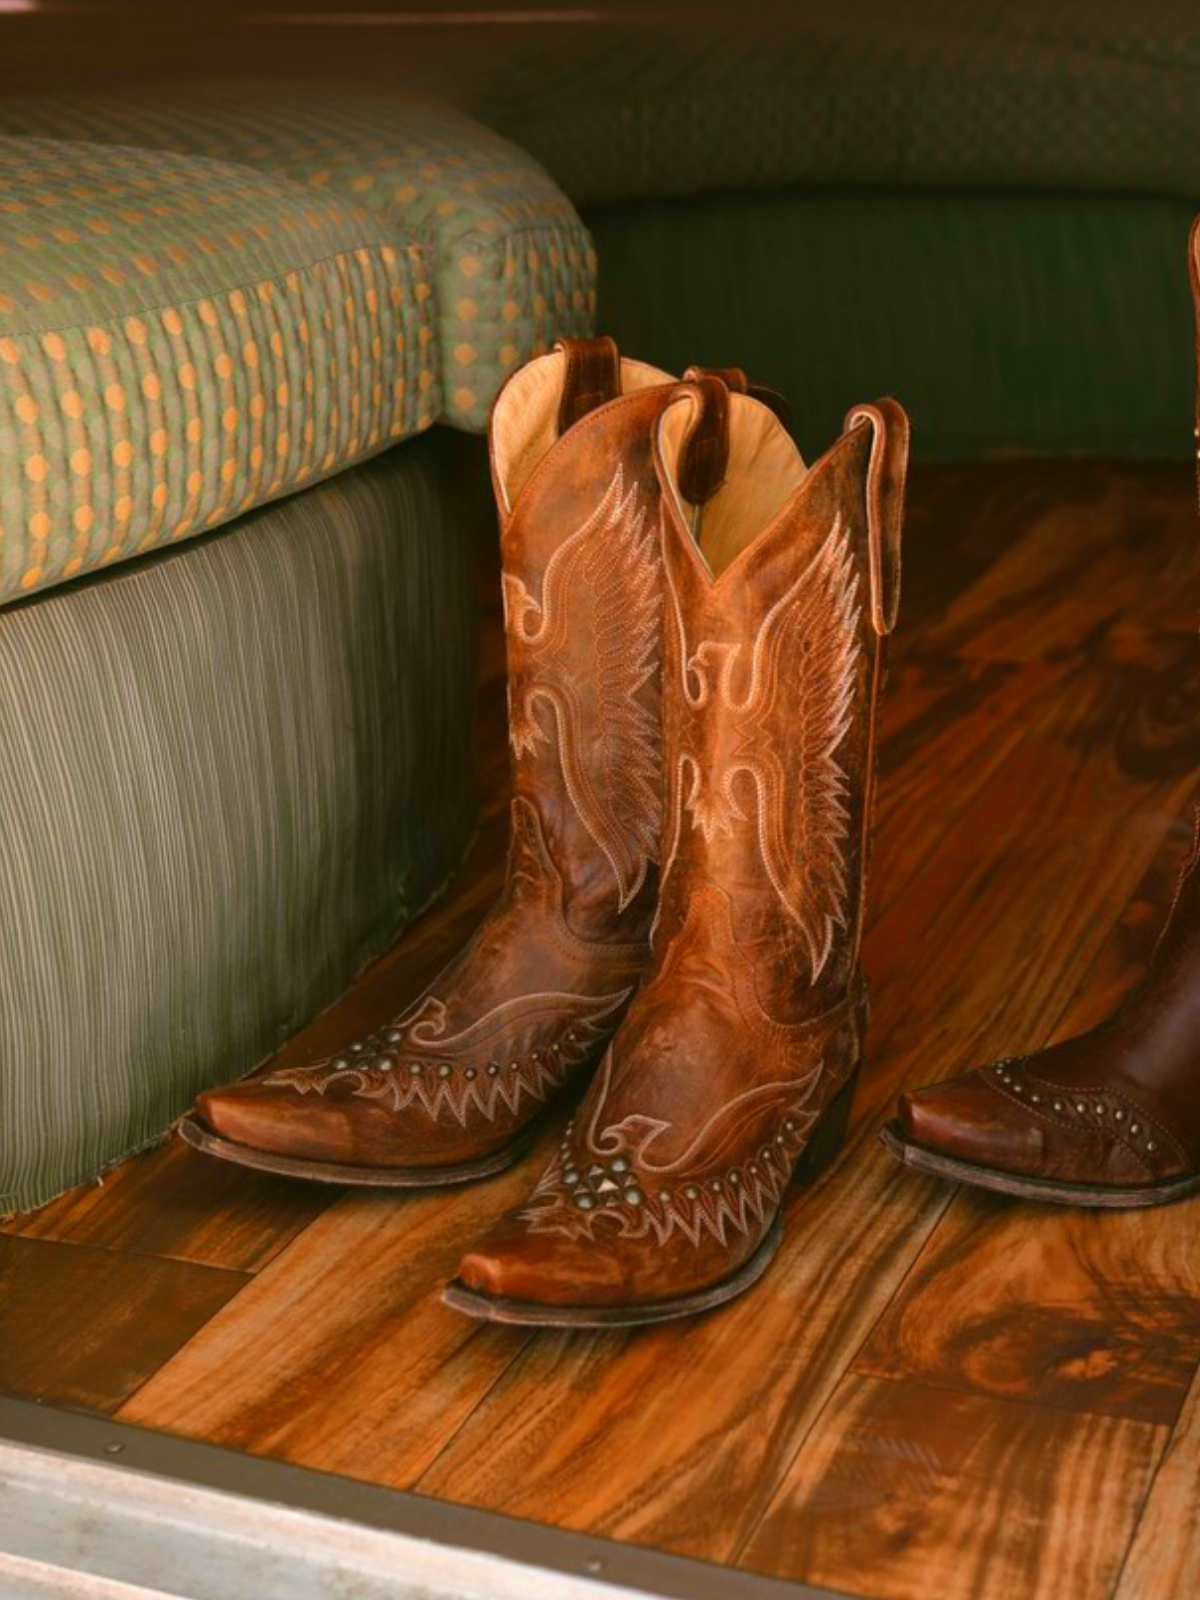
(821, 1151)
(192, 1131)
(1098, 1197)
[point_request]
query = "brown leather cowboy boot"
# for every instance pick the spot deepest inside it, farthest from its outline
(1111, 1118)
(735, 1065)
(449, 1090)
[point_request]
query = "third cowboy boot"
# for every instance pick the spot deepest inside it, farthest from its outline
(735, 1065)
(448, 1090)
(1110, 1118)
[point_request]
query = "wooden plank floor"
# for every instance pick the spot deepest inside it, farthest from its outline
(935, 1392)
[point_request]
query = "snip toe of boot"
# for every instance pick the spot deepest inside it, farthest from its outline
(276, 1119)
(542, 1270)
(967, 1119)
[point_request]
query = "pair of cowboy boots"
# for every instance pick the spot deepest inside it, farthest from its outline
(696, 627)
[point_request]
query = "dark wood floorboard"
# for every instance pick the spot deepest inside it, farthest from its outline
(933, 1392)
(83, 1327)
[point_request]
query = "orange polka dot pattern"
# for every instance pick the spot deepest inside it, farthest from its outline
(513, 266)
(183, 339)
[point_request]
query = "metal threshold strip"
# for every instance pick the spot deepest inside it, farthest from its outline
(96, 1510)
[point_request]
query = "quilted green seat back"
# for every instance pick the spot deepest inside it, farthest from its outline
(181, 340)
(513, 265)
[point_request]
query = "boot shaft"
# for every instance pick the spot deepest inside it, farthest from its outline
(781, 588)
(581, 570)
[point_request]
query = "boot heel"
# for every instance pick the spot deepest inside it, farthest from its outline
(828, 1136)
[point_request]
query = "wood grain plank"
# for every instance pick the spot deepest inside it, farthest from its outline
(83, 1327)
(906, 1492)
(1164, 1558)
(339, 1354)
(1092, 1312)
(174, 1203)
(1084, 558)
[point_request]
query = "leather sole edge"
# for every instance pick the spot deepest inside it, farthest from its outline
(194, 1133)
(1097, 1197)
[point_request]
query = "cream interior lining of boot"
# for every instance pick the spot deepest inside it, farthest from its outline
(764, 470)
(525, 422)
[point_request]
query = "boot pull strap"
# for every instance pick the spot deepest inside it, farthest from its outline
(886, 472)
(591, 377)
(736, 381)
(705, 453)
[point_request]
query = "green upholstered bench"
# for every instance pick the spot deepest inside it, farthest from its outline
(511, 264)
(236, 655)
(983, 210)
(183, 339)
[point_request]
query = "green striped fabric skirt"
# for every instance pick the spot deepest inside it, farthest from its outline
(230, 774)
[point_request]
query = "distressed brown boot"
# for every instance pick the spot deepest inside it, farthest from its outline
(734, 1068)
(1110, 1118)
(449, 1090)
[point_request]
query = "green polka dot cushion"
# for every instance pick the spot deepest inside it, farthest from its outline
(514, 266)
(183, 339)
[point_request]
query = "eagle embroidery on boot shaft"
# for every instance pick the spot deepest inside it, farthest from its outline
(586, 652)
(787, 712)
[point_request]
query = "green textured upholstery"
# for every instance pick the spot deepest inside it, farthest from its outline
(1080, 94)
(513, 265)
(181, 340)
(231, 773)
(1004, 321)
